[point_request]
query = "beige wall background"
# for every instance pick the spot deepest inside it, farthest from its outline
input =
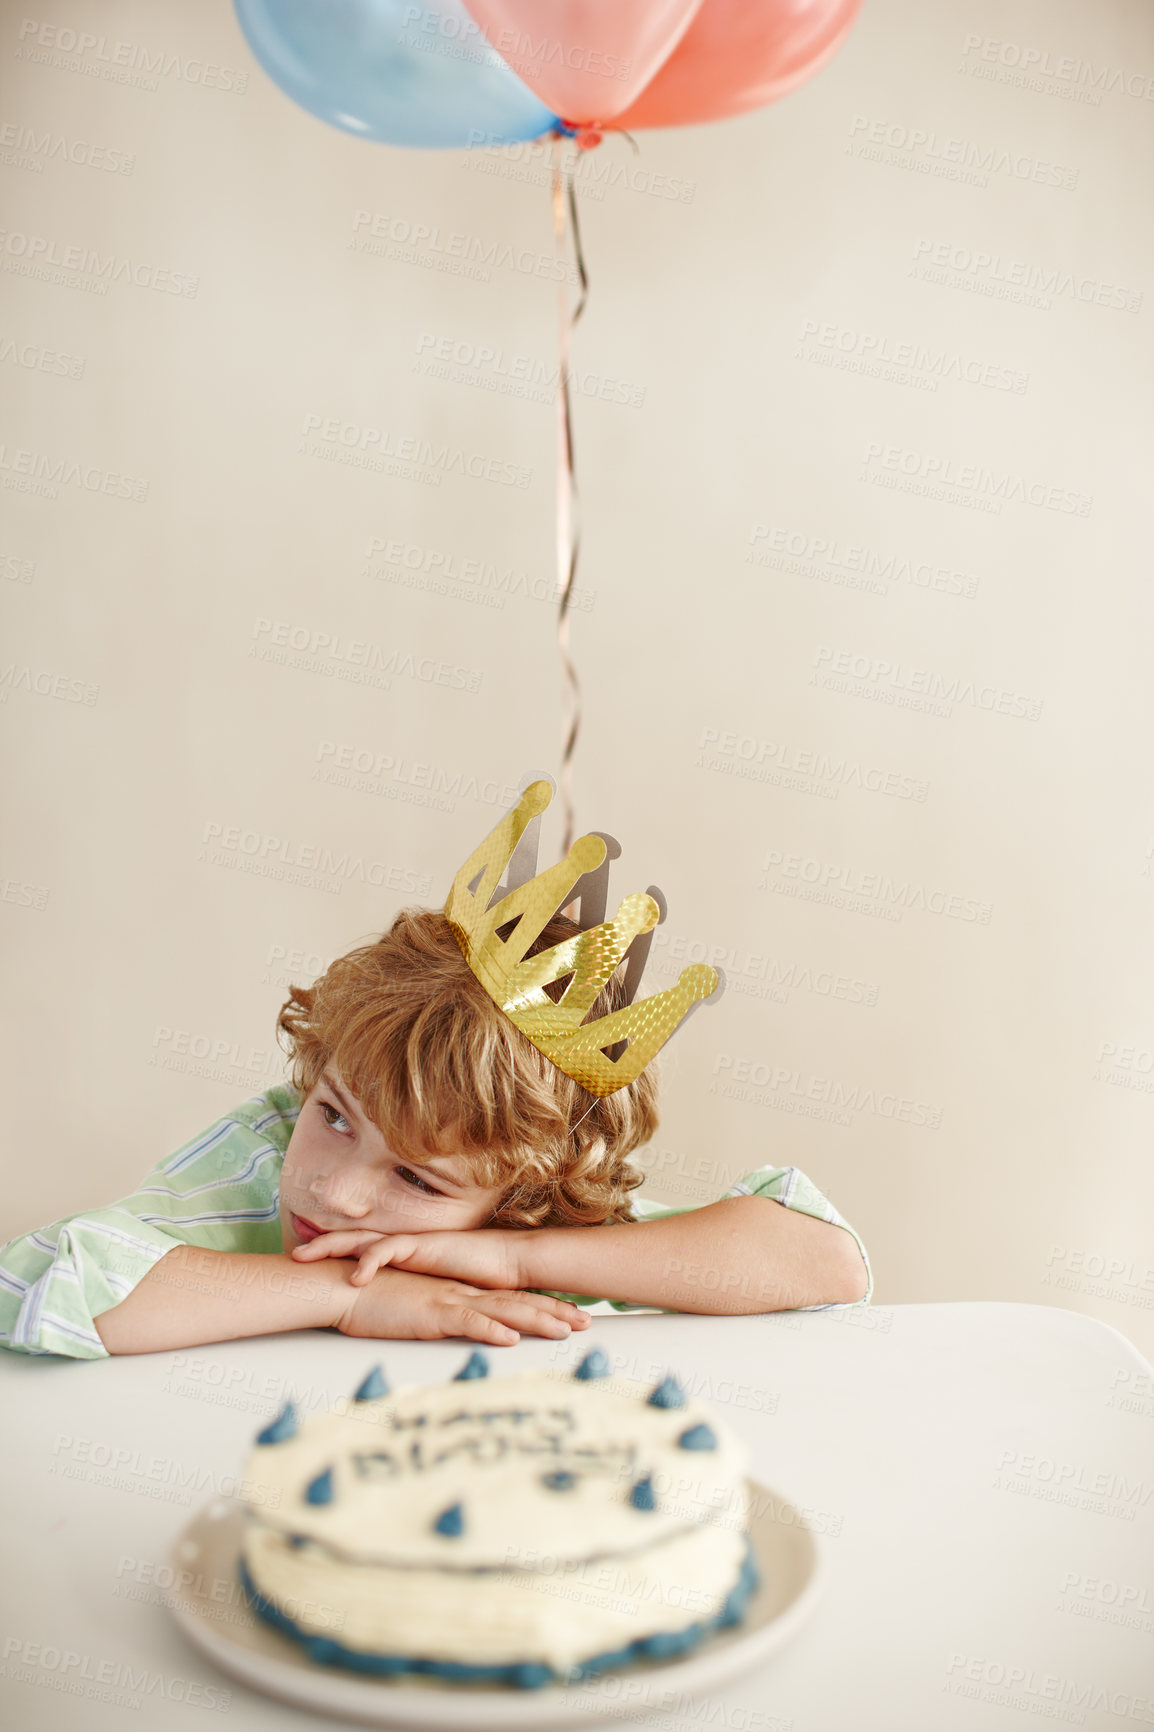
(864, 626)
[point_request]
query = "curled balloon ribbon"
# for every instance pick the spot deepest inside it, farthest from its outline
(568, 534)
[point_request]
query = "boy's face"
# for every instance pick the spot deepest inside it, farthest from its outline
(339, 1173)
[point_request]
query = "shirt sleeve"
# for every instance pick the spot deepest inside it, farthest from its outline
(220, 1191)
(788, 1186)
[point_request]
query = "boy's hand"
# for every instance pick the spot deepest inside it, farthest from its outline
(488, 1256)
(351, 1243)
(397, 1306)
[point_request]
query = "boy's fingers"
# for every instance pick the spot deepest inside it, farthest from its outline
(519, 1310)
(332, 1245)
(376, 1257)
(565, 1309)
(477, 1327)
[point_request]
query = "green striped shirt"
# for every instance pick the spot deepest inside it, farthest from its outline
(221, 1191)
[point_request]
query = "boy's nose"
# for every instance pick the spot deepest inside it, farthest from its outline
(343, 1195)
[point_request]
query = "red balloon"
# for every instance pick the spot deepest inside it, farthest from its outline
(588, 59)
(737, 55)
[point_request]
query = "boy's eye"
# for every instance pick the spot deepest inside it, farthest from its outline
(338, 1120)
(415, 1179)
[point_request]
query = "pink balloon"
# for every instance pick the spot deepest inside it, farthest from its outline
(740, 54)
(588, 59)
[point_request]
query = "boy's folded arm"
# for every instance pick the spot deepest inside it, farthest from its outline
(193, 1295)
(733, 1257)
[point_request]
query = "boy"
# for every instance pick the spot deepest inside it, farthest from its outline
(430, 1138)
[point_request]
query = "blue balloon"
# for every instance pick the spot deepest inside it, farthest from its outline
(394, 70)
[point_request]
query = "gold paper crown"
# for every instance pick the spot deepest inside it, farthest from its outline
(495, 924)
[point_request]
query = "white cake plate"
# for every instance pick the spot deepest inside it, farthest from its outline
(209, 1604)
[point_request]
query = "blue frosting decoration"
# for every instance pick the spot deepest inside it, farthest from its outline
(642, 1494)
(451, 1521)
(282, 1428)
(593, 1365)
(475, 1366)
(373, 1387)
(298, 1540)
(560, 1480)
(528, 1674)
(320, 1489)
(698, 1437)
(667, 1393)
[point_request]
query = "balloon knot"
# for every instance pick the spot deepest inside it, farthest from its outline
(584, 137)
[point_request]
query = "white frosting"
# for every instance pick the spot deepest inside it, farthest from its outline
(536, 1573)
(504, 1617)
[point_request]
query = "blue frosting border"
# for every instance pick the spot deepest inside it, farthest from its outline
(528, 1675)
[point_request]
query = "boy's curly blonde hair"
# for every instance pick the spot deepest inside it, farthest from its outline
(430, 1057)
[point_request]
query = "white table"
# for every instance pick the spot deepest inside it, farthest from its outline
(982, 1476)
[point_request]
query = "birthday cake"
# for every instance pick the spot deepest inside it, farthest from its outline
(517, 1531)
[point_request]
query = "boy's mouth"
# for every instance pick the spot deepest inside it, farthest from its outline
(305, 1230)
